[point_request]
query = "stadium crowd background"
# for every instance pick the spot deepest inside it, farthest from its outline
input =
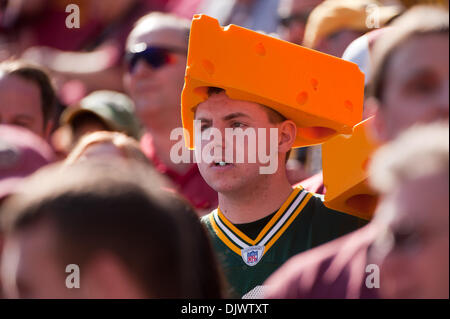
(86, 176)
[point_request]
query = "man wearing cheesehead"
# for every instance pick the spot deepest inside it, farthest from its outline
(242, 81)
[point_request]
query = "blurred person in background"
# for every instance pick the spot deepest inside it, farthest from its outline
(21, 154)
(27, 98)
(333, 25)
(99, 111)
(413, 250)
(81, 59)
(293, 15)
(410, 85)
(128, 236)
(257, 15)
(106, 145)
(156, 61)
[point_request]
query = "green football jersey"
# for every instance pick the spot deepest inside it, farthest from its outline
(301, 223)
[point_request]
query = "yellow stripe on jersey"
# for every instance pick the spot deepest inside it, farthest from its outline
(269, 225)
(222, 237)
(288, 223)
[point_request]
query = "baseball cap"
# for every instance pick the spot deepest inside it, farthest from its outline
(21, 154)
(332, 16)
(115, 109)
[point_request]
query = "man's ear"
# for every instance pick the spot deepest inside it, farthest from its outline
(287, 134)
(378, 129)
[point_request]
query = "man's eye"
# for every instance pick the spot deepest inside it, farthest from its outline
(238, 125)
(204, 127)
(423, 86)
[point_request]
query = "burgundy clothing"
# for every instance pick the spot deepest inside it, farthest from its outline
(191, 185)
(334, 270)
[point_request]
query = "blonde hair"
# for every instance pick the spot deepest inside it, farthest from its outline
(128, 147)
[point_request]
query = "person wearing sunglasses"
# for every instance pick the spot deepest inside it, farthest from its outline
(155, 60)
(293, 15)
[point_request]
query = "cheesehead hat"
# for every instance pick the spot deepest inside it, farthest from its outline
(322, 94)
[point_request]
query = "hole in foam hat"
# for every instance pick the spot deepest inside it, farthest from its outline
(260, 49)
(208, 66)
(315, 84)
(302, 98)
(348, 105)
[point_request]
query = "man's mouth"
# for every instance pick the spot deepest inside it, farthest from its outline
(220, 164)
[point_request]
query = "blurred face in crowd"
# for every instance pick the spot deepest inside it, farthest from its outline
(32, 268)
(221, 112)
(157, 90)
(416, 245)
(293, 17)
(416, 87)
(20, 104)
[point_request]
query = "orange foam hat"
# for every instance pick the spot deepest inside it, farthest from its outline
(322, 94)
(345, 160)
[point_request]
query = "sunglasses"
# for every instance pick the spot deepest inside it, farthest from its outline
(155, 57)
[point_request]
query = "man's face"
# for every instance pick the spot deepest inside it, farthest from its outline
(416, 88)
(220, 112)
(416, 245)
(20, 104)
(156, 90)
(30, 268)
(293, 18)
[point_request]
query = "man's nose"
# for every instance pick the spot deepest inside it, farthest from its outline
(142, 69)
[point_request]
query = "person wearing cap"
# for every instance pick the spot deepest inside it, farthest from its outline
(156, 61)
(409, 85)
(101, 111)
(21, 154)
(261, 221)
(333, 25)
